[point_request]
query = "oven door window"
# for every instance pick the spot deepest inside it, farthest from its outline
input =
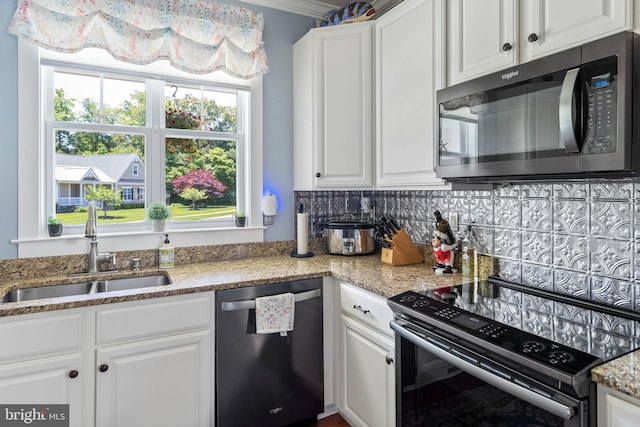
(434, 392)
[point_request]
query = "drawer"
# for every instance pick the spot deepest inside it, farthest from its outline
(367, 307)
(39, 335)
(147, 320)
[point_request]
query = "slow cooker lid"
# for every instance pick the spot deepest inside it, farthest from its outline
(348, 225)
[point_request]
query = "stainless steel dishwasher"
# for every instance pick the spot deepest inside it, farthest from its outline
(268, 380)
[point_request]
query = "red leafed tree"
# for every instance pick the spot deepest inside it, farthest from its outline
(200, 179)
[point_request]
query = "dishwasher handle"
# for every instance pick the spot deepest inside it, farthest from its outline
(251, 304)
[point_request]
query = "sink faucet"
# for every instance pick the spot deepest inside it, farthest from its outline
(91, 231)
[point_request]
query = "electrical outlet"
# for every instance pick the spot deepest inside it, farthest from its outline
(453, 221)
(365, 204)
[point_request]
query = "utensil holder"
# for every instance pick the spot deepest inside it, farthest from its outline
(403, 251)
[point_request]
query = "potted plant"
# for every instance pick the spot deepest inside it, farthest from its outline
(158, 214)
(241, 219)
(54, 226)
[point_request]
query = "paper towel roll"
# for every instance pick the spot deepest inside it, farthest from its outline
(303, 232)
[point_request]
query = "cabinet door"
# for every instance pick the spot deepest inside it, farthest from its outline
(407, 76)
(616, 409)
(51, 380)
(559, 25)
(163, 382)
(344, 124)
(482, 37)
(367, 380)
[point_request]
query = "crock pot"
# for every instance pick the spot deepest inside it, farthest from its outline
(349, 237)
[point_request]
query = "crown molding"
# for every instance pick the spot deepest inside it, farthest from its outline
(312, 8)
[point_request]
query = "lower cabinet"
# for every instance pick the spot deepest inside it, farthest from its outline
(366, 373)
(46, 381)
(144, 363)
(617, 409)
(161, 382)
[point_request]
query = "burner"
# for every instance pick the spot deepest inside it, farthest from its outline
(559, 356)
(421, 303)
(408, 298)
(533, 347)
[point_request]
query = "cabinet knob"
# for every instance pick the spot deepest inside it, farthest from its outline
(359, 308)
(104, 368)
(533, 37)
(73, 374)
(506, 47)
(389, 360)
(318, 174)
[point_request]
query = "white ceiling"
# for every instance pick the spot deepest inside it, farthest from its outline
(315, 8)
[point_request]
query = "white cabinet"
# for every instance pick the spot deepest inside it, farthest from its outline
(153, 363)
(366, 373)
(616, 409)
(144, 363)
(332, 138)
(163, 382)
(409, 70)
(494, 34)
(43, 361)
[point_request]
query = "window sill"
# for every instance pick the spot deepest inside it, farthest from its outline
(137, 240)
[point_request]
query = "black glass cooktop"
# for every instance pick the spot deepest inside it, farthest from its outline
(558, 331)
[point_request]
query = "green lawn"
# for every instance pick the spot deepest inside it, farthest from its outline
(179, 213)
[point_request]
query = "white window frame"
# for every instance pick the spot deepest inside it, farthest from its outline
(35, 164)
(127, 191)
(135, 168)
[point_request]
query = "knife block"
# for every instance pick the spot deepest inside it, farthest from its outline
(404, 251)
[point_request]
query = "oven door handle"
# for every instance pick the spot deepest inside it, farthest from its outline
(549, 405)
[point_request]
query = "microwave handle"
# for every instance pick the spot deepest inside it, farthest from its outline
(566, 117)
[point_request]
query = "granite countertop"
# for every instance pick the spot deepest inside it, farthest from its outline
(366, 272)
(621, 374)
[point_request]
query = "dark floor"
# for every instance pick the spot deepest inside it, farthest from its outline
(331, 421)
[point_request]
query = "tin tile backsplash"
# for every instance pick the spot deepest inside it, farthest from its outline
(578, 238)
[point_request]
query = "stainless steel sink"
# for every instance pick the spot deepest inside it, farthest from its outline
(66, 290)
(96, 286)
(132, 283)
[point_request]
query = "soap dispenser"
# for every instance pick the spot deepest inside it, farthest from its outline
(166, 253)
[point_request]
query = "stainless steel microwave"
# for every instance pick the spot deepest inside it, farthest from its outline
(569, 115)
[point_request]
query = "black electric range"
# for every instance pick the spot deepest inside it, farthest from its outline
(552, 337)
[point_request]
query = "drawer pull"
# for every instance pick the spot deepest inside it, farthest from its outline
(73, 374)
(104, 368)
(389, 360)
(359, 308)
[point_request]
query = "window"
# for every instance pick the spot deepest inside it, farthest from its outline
(141, 134)
(127, 193)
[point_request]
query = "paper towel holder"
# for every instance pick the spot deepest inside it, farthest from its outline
(269, 209)
(301, 250)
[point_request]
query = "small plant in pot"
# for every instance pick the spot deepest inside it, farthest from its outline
(158, 214)
(241, 219)
(54, 226)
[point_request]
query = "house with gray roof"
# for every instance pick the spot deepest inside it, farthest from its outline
(118, 171)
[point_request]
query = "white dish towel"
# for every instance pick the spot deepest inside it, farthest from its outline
(275, 313)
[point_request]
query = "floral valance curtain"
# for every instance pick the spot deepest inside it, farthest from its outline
(196, 36)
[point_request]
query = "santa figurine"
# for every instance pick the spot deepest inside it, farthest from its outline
(443, 252)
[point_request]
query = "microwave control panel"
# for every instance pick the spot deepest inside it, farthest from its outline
(601, 114)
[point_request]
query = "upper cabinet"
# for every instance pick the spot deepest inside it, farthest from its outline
(487, 36)
(409, 69)
(332, 138)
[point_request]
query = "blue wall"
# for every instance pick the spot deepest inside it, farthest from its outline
(281, 31)
(9, 130)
